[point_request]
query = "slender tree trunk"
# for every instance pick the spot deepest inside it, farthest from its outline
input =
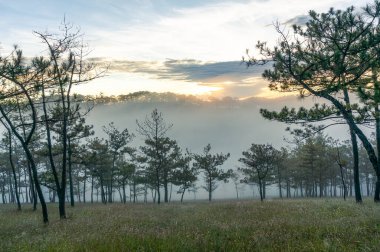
(61, 204)
(154, 194)
(264, 184)
(84, 186)
(158, 186)
(279, 182)
(97, 194)
(209, 189)
(261, 190)
(78, 190)
(343, 182)
(37, 184)
(53, 197)
(171, 190)
(237, 191)
(377, 118)
(92, 189)
(33, 196)
(355, 151)
(166, 191)
(20, 191)
(26, 186)
(367, 183)
(102, 194)
(130, 193)
(120, 194)
(70, 170)
(3, 193)
(134, 191)
(60, 188)
(13, 170)
(124, 194)
(366, 144)
(110, 188)
(10, 189)
(377, 189)
(183, 193)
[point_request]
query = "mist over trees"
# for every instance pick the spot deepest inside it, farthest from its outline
(50, 151)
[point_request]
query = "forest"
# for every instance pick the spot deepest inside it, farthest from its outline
(51, 158)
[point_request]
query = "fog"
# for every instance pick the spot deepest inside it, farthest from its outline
(229, 125)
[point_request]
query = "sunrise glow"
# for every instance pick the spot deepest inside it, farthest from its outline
(187, 47)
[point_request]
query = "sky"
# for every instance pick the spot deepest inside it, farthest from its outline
(187, 47)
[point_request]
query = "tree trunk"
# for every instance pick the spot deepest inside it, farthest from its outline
(37, 184)
(110, 188)
(377, 189)
(78, 190)
(72, 202)
(33, 194)
(84, 186)
(13, 170)
(237, 191)
(158, 187)
(367, 183)
(261, 190)
(366, 143)
(264, 184)
(166, 191)
(134, 191)
(61, 203)
(183, 193)
(279, 182)
(10, 189)
(124, 194)
(209, 189)
(26, 187)
(92, 189)
(171, 190)
(355, 152)
(53, 197)
(102, 194)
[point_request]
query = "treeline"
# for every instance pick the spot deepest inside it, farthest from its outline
(317, 167)
(112, 169)
(104, 168)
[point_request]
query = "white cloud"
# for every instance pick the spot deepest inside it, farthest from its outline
(208, 30)
(216, 32)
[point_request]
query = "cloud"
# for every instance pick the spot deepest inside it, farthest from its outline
(187, 70)
(298, 20)
(217, 30)
(229, 78)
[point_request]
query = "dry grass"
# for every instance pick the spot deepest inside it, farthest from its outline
(279, 225)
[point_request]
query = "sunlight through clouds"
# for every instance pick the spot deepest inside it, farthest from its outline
(165, 45)
(123, 83)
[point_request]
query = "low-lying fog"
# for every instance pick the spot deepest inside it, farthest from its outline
(229, 125)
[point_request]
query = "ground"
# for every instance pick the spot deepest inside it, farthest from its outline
(275, 225)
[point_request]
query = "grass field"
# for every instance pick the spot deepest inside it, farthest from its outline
(278, 225)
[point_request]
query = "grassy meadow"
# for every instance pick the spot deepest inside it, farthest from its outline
(276, 225)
